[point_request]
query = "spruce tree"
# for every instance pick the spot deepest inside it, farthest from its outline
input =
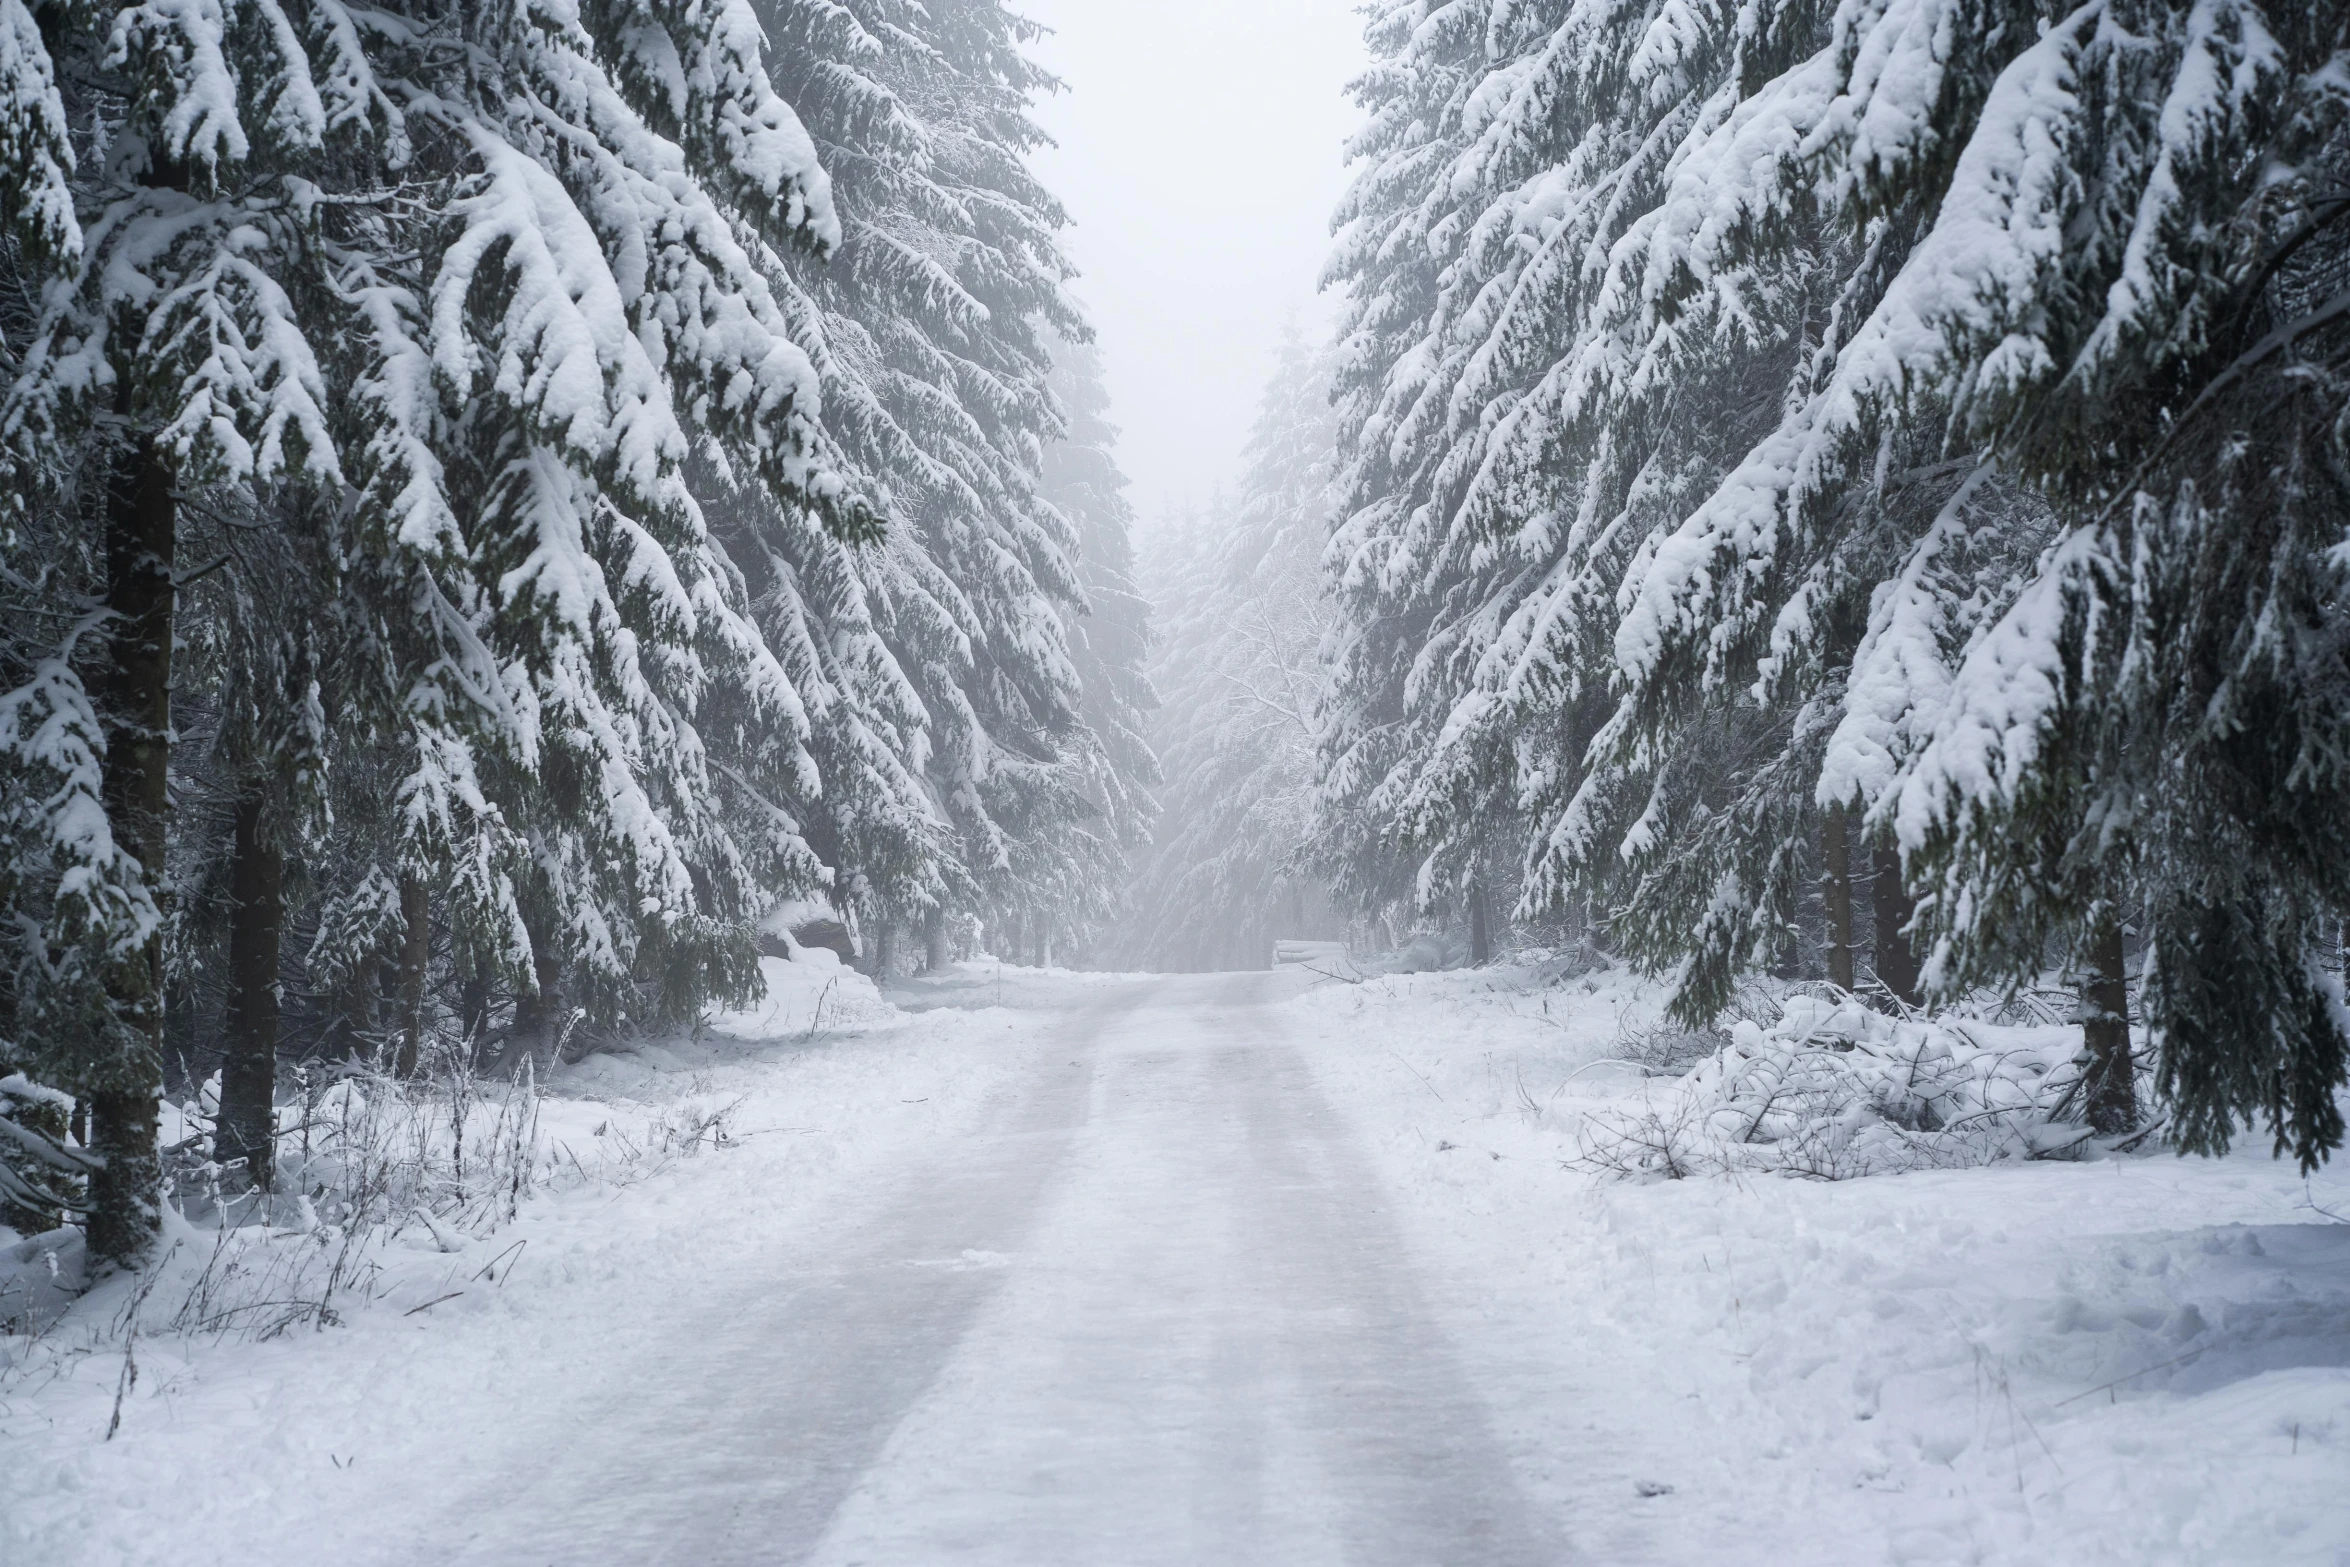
(1109, 640)
(1392, 835)
(1859, 384)
(1242, 689)
(167, 350)
(938, 317)
(528, 246)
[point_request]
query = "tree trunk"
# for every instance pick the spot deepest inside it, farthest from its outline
(415, 961)
(885, 950)
(247, 1128)
(1480, 934)
(554, 1016)
(2110, 1080)
(934, 941)
(1836, 834)
(355, 1009)
(530, 1011)
(1897, 960)
(538, 1018)
(473, 1010)
(142, 532)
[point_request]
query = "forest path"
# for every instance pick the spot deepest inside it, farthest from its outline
(1154, 1313)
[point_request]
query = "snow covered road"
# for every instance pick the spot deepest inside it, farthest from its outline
(1138, 1301)
(1149, 1312)
(1236, 1269)
(1204, 1343)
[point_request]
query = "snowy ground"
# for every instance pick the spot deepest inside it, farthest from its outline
(1078, 1269)
(2143, 1360)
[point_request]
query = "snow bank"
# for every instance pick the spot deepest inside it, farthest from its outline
(2140, 1359)
(810, 992)
(368, 1168)
(380, 1180)
(1835, 1090)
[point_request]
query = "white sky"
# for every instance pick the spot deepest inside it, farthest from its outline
(1200, 159)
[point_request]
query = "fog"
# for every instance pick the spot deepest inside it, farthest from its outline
(1200, 158)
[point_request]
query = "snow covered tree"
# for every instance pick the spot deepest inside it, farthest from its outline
(543, 308)
(561, 642)
(2083, 258)
(1408, 593)
(1855, 383)
(250, 770)
(1109, 640)
(2153, 725)
(595, 320)
(1569, 395)
(938, 316)
(163, 351)
(1238, 669)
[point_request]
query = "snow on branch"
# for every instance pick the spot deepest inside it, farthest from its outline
(1835, 1091)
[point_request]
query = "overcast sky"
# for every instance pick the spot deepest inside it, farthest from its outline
(1200, 159)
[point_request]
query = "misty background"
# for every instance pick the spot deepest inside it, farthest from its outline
(1201, 153)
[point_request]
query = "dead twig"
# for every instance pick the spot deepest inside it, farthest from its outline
(2106, 1387)
(500, 1278)
(1415, 1071)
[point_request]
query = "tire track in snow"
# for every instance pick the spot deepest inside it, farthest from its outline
(736, 1442)
(1213, 1350)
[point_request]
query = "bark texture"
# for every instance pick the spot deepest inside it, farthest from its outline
(142, 534)
(246, 1129)
(415, 961)
(1836, 850)
(2110, 1080)
(545, 1038)
(1897, 960)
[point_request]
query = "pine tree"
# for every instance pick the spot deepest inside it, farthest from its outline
(1604, 342)
(938, 316)
(1242, 688)
(520, 241)
(1109, 642)
(1510, 456)
(1858, 383)
(1391, 834)
(2080, 251)
(165, 350)
(250, 769)
(2148, 729)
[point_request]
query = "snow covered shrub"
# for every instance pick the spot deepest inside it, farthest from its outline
(1670, 1046)
(1834, 1090)
(1665, 1048)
